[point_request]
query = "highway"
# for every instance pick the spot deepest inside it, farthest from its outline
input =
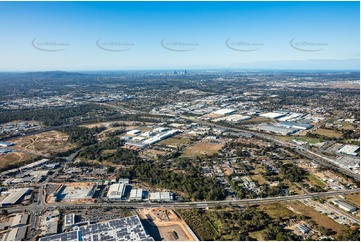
(201, 204)
(300, 150)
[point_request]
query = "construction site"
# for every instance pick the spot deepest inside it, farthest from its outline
(72, 192)
(165, 224)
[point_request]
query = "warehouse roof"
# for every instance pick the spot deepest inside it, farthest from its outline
(124, 229)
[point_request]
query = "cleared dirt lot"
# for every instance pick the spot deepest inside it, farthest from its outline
(43, 143)
(328, 133)
(14, 158)
(202, 148)
(164, 224)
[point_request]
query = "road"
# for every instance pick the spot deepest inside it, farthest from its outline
(201, 204)
(326, 161)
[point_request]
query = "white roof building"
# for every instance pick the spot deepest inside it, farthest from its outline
(349, 150)
(272, 115)
(116, 191)
(134, 132)
(136, 194)
(14, 196)
(161, 196)
(224, 111)
(123, 229)
(345, 206)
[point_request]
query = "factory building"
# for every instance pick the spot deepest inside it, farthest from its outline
(16, 234)
(134, 132)
(276, 129)
(69, 220)
(19, 220)
(116, 191)
(302, 126)
(345, 206)
(136, 194)
(134, 145)
(161, 196)
(303, 228)
(224, 111)
(14, 197)
(5, 151)
(123, 229)
(5, 144)
(273, 115)
(349, 150)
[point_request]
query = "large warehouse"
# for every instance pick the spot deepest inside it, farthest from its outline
(123, 229)
(116, 191)
(14, 197)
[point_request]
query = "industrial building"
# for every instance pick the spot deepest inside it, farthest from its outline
(16, 234)
(14, 196)
(302, 126)
(19, 220)
(5, 144)
(304, 229)
(134, 132)
(116, 191)
(224, 111)
(123, 229)
(349, 150)
(276, 129)
(69, 220)
(134, 145)
(80, 191)
(345, 206)
(161, 196)
(273, 115)
(5, 151)
(136, 194)
(291, 117)
(160, 137)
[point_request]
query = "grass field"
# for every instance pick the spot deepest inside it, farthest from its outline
(319, 218)
(202, 148)
(14, 158)
(309, 140)
(175, 141)
(328, 133)
(257, 120)
(315, 181)
(277, 210)
(44, 143)
(354, 199)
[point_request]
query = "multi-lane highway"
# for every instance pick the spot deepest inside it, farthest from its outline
(201, 204)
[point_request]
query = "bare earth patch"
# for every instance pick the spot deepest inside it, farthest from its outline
(43, 143)
(202, 148)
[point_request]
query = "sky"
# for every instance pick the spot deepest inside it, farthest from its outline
(37, 36)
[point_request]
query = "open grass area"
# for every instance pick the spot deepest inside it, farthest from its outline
(354, 199)
(14, 158)
(320, 219)
(308, 139)
(315, 181)
(259, 179)
(175, 141)
(328, 133)
(44, 143)
(277, 210)
(202, 148)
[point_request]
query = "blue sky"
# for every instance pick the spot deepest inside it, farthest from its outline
(278, 35)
